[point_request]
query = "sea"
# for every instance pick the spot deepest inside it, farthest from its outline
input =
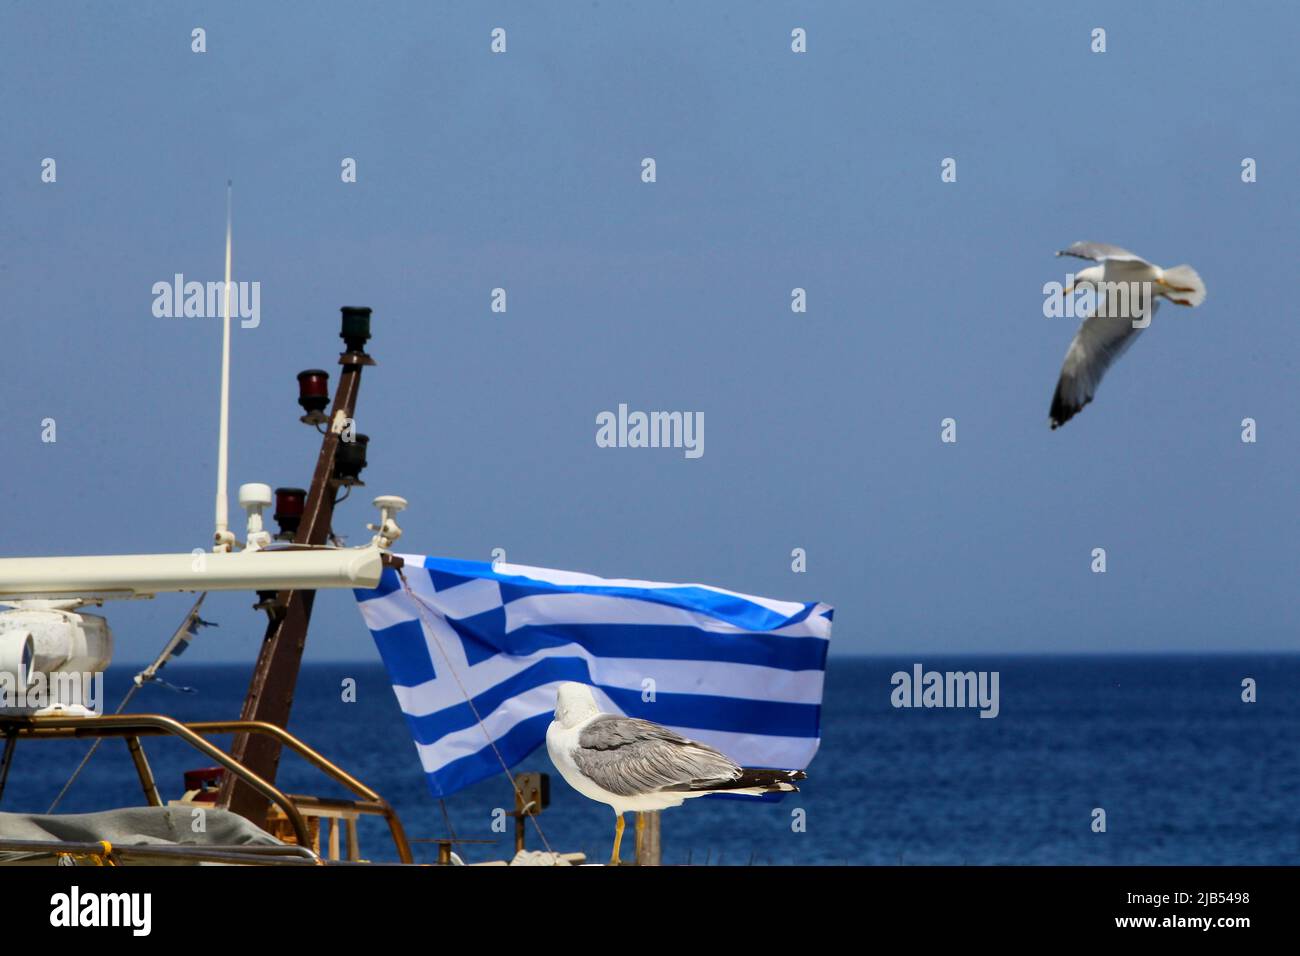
(1090, 760)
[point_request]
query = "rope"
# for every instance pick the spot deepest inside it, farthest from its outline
(446, 821)
(91, 752)
(433, 633)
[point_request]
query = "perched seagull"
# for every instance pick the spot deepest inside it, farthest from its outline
(635, 765)
(1109, 330)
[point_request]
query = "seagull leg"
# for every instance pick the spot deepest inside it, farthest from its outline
(618, 838)
(640, 828)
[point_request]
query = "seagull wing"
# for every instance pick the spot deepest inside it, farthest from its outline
(628, 757)
(1100, 340)
(1100, 252)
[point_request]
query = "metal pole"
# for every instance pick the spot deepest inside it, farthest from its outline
(648, 853)
(142, 769)
(11, 740)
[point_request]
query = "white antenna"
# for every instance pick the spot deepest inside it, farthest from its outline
(223, 540)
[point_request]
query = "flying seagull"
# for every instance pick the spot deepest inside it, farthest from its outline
(635, 765)
(1125, 286)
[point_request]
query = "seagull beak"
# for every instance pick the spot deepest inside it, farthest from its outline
(1068, 289)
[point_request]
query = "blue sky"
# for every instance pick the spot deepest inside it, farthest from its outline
(775, 171)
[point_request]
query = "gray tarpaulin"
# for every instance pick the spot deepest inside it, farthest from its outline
(133, 825)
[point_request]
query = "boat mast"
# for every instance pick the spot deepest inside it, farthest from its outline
(271, 690)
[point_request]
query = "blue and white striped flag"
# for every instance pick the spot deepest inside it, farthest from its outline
(739, 672)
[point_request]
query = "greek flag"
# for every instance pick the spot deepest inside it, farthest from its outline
(739, 672)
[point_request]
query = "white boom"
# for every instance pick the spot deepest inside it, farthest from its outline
(138, 575)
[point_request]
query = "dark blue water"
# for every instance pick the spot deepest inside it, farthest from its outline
(1186, 772)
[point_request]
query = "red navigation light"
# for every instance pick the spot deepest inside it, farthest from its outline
(289, 506)
(314, 390)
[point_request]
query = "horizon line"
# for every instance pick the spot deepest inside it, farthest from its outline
(859, 655)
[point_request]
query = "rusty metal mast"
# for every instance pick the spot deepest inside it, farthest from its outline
(270, 692)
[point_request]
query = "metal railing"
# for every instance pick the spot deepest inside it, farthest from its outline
(114, 854)
(134, 726)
